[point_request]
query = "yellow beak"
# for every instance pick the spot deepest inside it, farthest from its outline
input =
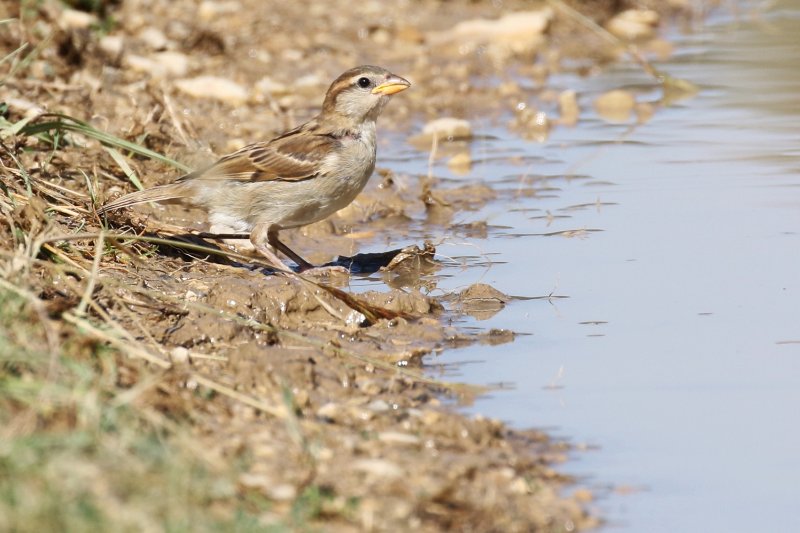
(393, 85)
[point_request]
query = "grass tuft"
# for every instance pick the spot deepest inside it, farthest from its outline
(73, 457)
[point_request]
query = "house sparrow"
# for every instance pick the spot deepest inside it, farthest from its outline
(297, 178)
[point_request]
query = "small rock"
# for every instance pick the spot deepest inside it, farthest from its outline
(381, 37)
(309, 80)
(72, 19)
(396, 437)
(430, 417)
(279, 492)
(568, 108)
(378, 467)
(24, 107)
(173, 63)
(460, 164)
(662, 48)
(153, 38)
(482, 301)
(517, 32)
(447, 129)
(112, 45)
(634, 24)
(209, 10)
(267, 85)
(615, 106)
(160, 65)
(483, 292)
(519, 486)
(409, 34)
(330, 410)
(213, 87)
(179, 354)
(378, 406)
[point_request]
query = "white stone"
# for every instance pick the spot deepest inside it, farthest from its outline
(76, 20)
(398, 438)
(160, 65)
(179, 354)
(213, 87)
(267, 85)
(518, 31)
(153, 38)
(447, 128)
(634, 24)
(112, 44)
(378, 467)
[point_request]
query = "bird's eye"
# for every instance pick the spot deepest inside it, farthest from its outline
(364, 82)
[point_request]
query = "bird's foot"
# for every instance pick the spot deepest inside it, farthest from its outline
(325, 271)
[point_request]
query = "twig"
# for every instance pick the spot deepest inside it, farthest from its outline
(123, 346)
(277, 412)
(98, 255)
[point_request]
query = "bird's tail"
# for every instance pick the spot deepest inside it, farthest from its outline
(160, 193)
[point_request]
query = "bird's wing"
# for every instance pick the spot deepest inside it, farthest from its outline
(294, 156)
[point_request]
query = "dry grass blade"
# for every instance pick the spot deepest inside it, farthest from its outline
(277, 412)
(87, 295)
(123, 345)
(126, 168)
(65, 123)
(671, 84)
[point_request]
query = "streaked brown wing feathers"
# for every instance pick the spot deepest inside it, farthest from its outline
(294, 156)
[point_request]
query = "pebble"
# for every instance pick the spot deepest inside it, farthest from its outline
(447, 128)
(25, 107)
(112, 45)
(460, 164)
(634, 24)
(330, 410)
(160, 65)
(210, 10)
(153, 38)
(72, 19)
(568, 108)
(179, 354)
(378, 467)
(395, 437)
(517, 30)
(378, 406)
(278, 492)
(267, 85)
(583, 496)
(615, 106)
(213, 87)
(309, 80)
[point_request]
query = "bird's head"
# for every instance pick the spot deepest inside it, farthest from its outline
(360, 93)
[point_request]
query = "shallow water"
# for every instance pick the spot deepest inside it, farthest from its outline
(676, 356)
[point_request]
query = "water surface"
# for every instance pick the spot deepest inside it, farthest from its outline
(677, 351)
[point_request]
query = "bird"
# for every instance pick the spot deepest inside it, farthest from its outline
(297, 178)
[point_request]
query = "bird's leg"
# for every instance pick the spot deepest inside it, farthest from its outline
(265, 237)
(272, 238)
(260, 237)
(212, 235)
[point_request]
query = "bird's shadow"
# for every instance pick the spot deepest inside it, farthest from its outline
(362, 264)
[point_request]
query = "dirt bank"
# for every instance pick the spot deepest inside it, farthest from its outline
(151, 385)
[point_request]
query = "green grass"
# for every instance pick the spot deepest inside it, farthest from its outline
(80, 452)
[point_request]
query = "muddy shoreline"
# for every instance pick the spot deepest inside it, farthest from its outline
(312, 418)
